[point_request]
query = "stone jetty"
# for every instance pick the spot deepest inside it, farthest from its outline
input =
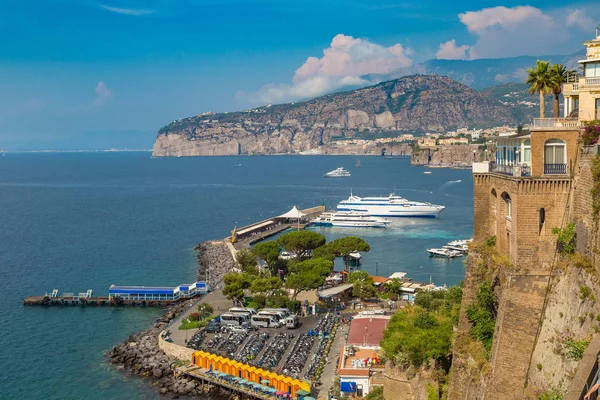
(140, 354)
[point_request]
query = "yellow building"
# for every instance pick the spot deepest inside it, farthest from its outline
(582, 94)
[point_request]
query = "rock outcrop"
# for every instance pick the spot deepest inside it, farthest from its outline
(411, 104)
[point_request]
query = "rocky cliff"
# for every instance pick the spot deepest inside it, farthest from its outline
(416, 104)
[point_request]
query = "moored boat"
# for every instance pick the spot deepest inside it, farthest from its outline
(350, 219)
(445, 253)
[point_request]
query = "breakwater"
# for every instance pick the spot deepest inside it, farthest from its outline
(141, 355)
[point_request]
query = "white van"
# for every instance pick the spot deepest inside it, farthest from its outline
(264, 321)
(291, 322)
(233, 319)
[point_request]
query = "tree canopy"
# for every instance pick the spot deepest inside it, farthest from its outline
(235, 284)
(246, 259)
(341, 247)
(301, 242)
(267, 286)
(539, 81)
(424, 331)
(364, 289)
(558, 76)
(268, 251)
(308, 275)
(360, 276)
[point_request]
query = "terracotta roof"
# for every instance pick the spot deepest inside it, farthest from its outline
(380, 279)
(367, 331)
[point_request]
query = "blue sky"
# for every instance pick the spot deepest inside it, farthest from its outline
(74, 71)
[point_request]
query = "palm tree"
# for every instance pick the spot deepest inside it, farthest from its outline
(539, 81)
(558, 76)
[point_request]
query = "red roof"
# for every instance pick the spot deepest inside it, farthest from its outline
(380, 279)
(367, 331)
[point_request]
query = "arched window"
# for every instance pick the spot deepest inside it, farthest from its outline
(527, 151)
(555, 151)
(508, 204)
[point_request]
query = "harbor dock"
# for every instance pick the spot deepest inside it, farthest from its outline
(121, 296)
(246, 236)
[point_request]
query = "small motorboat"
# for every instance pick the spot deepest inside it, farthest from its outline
(444, 253)
(427, 172)
(355, 255)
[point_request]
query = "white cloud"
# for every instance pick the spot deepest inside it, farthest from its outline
(342, 65)
(450, 51)
(103, 94)
(579, 19)
(510, 32)
(126, 11)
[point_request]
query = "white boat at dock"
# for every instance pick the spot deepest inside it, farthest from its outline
(445, 253)
(355, 255)
(287, 255)
(338, 173)
(391, 206)
(459, 245)
(350, 219)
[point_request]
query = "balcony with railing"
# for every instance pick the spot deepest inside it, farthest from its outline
(592, 81)
(555, 169)
(502, 169)
(570, 88)
(555, 123)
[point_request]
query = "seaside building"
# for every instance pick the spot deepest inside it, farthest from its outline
(539, 180)
(359, 364)
(148, 293)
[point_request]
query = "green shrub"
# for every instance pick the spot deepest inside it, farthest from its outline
(482, 314)
(596, 188)
(565, 243)
(417, 334)
(491, 242)
(539, 367)
(432, 393)
(550, 394)
(584, 292)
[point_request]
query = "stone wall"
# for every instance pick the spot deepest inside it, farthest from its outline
(458, 155)
(406, 384)
(174, 350)
(538, 138)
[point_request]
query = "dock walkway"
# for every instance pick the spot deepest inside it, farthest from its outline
(204, 376)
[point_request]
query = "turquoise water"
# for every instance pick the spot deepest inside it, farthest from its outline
(78, 221)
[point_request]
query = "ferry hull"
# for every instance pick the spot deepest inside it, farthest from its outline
(391, 211)
(350, 225)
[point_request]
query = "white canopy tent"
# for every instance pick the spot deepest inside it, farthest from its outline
(293, 213)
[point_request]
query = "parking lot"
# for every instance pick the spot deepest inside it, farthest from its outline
(293, 352)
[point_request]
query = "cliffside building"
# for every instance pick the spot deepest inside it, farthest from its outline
(518, 198)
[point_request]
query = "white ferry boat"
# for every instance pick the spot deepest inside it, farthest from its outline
(391, 206)
(352, 219)
(338, 173)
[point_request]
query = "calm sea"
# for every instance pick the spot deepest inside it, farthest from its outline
(78, 221)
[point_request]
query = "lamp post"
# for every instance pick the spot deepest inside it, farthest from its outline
(486, 154)
(474, 153)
